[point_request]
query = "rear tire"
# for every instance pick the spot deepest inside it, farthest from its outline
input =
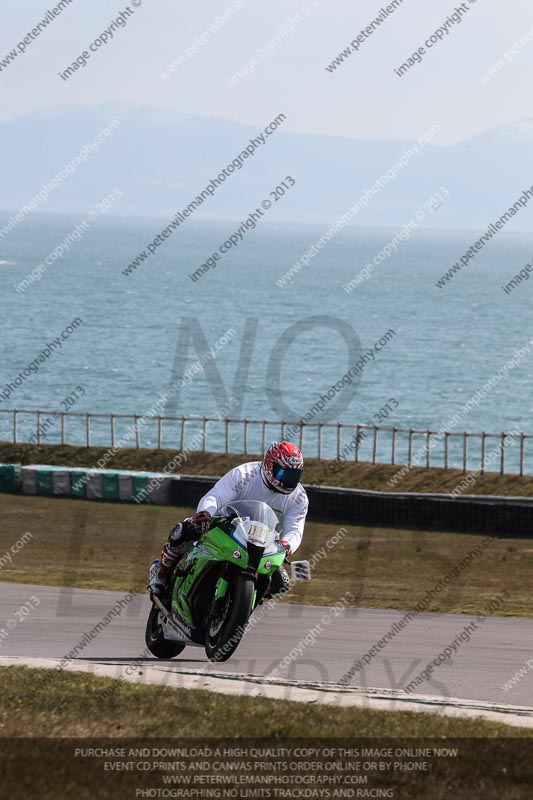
(155, 640)
(224, 632)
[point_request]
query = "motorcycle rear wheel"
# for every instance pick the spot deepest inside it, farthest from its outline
(155, 639)
(225, 631)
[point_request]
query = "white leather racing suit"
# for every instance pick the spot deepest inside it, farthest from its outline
(246, 483)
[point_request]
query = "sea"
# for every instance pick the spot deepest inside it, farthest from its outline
(203, 328)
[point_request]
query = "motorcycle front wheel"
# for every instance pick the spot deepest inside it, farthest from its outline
(155, 639)
(227, 622)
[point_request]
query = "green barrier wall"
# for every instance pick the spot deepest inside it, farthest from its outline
(9, 477)
(110, 486)
(140, 488)
(77, 483)
(44, 481)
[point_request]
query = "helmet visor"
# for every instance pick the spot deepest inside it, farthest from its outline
(287, 476)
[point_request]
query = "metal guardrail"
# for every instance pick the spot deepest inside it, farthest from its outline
(323, 440)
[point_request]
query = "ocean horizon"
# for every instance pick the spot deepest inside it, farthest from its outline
(283, 347)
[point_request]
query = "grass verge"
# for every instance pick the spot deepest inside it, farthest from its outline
(323, 473)
(493, 760)
(107, 546)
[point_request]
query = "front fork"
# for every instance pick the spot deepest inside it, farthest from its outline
(222, 587)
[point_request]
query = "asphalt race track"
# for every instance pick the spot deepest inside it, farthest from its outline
(477, 671)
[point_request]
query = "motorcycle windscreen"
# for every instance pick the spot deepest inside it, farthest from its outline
(256, 521)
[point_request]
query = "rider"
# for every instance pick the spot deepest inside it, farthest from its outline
(275, 480)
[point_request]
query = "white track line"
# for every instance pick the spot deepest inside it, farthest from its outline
(165, 674)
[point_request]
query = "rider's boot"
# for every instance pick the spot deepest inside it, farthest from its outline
(279, 584)
(161, 571)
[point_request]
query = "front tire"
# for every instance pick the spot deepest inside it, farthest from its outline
(226, 629)
(155, 640)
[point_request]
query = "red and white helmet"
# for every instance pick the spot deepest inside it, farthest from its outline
(282, 467)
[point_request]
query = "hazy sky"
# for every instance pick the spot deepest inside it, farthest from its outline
(362, 98)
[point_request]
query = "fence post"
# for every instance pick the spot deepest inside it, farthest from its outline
(322, 451)
(182, 434)
(204, 433)
(502, 461)
(375, 444)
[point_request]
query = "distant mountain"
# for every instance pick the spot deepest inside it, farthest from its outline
(161, 160)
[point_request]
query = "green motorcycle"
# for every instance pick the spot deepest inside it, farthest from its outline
(217, 583)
